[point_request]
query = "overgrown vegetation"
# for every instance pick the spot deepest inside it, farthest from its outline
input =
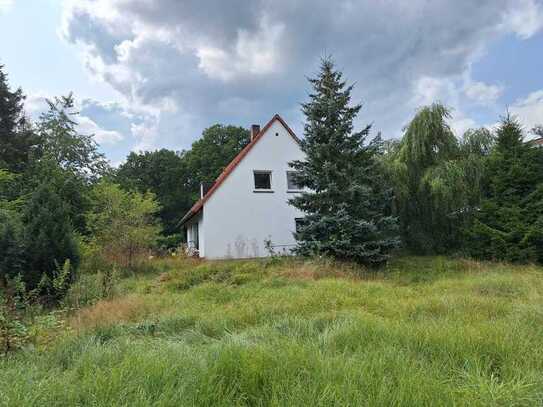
(423, 331)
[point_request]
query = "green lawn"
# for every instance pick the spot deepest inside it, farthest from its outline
(427, 331)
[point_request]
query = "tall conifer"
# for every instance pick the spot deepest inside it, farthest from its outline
(17, 139)
(347, 200)
(509, 225)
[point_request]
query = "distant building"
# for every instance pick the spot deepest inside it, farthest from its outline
(247, 204)
(537, 142)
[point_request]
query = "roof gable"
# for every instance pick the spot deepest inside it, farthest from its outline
(234, 163)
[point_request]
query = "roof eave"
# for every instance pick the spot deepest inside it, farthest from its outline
(190, 214)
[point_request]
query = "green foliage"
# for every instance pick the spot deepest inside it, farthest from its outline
(17, 139)
(348, 205)
(88, 289)
(69, 161)
(71, 188)
(439, 331)
(11, 197)
(227, 272)
(13, 331)
(210, 154)
(11, 246)
(123, 224)
(508, 224)
(49, 240)
(165, 174)
(64, 145)
(438, 180)
(14, 301)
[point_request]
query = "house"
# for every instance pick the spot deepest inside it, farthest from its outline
(246, 210)
(538, 142)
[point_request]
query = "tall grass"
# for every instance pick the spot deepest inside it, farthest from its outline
(426, 331)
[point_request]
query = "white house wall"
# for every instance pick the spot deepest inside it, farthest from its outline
(238, 220)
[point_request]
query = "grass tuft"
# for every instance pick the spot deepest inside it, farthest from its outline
(424, 331)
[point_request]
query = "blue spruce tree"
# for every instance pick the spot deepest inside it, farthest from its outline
(348, 201)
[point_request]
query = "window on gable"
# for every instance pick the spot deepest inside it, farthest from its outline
(262, 180)
(291, 181)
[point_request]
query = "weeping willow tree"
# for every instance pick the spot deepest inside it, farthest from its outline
(438, 179)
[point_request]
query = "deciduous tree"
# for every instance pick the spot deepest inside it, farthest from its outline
(438, 180)
(123, 224)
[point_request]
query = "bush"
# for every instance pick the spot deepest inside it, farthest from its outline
(123, 226)
(11, 246)
(90, 288)
(48, 237)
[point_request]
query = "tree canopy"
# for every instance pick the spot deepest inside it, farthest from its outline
(165, 174)
(122, 223)
(210, 154)
(63, 144)
(437, 178)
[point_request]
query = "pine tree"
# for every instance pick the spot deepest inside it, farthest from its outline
(48, 237)
(347, 203)
(509, 223)
(16, 137)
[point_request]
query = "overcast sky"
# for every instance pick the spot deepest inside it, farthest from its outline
(154, 73)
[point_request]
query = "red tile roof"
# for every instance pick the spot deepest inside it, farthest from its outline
(537, 142)
(233, 164)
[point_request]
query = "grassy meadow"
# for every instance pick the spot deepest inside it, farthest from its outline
(425, 331)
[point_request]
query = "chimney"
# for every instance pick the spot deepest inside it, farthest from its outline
(255, 129)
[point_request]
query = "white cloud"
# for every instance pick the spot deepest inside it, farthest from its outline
(146, 135)
(525, 20)
(101, 136)
(190, 64)
(36, 104)
(427, 90)
(6, 5)
(482, 93)
(254, 53)
(529, 110)
(460, 123)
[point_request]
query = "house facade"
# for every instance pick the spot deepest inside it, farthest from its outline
(246, 209)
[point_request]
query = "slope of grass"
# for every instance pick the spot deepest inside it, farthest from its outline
(426, 331)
